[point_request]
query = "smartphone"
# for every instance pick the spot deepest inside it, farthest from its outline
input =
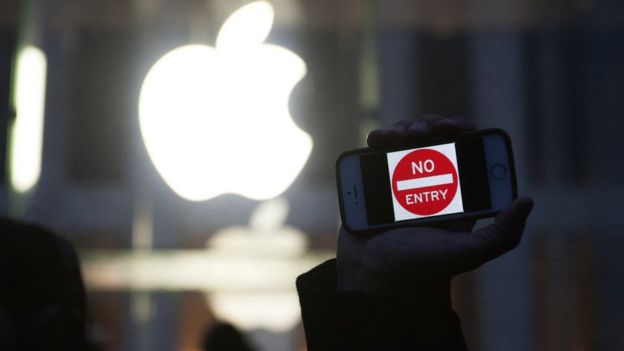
(469, 176)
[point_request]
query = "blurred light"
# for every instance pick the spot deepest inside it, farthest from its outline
(250, 290)
(205, 270)
(267, 256)
(276, 312)
(27, 133)
(216, 120)
(266, 233)
(142, 306)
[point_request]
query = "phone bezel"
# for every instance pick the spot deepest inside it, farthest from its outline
(428, 220)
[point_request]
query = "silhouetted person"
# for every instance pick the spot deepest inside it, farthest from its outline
(224, 337)
(391, 290)
(42, 296)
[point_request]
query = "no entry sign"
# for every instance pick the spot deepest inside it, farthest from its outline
(425, 182)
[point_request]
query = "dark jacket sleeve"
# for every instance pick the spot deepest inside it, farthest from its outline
(335, 320)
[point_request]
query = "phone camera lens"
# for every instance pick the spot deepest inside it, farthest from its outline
(498, 171)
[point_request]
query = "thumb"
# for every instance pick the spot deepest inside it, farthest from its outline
(499, 237)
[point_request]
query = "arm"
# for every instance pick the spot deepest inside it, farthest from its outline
(357, 320)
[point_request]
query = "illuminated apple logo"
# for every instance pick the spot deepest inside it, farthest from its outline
(216, 120)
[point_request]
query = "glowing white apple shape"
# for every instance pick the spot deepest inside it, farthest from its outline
(216, 120)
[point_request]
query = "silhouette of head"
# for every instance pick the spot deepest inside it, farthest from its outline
(42, 296)
(225, 337)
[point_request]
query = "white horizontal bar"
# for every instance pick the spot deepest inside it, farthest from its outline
(425, 181)
(205, 270)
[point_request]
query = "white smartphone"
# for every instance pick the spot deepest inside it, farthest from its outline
(466, 177)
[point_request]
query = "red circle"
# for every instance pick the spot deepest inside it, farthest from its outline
(425, 200)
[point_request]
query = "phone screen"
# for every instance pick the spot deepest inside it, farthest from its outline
(423, 182)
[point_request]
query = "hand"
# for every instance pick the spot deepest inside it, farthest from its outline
(410, 260)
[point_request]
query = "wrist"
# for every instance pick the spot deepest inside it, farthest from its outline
(355, 277)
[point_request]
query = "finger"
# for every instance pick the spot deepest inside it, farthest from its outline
(402, 125)
(494, 240)
(386, 137)
(431, 117)
(459, 120)
(449, 126)
(402, 133)
(409, 132)
(418, 131)
(398, 133)
(380, 138)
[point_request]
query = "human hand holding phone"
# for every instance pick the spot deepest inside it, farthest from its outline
(421, 260)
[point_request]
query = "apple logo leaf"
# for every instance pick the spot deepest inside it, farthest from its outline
(248, 26)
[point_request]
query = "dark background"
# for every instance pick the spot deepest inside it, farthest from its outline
(551, 73)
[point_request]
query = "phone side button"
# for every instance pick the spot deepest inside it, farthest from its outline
(498, 171)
